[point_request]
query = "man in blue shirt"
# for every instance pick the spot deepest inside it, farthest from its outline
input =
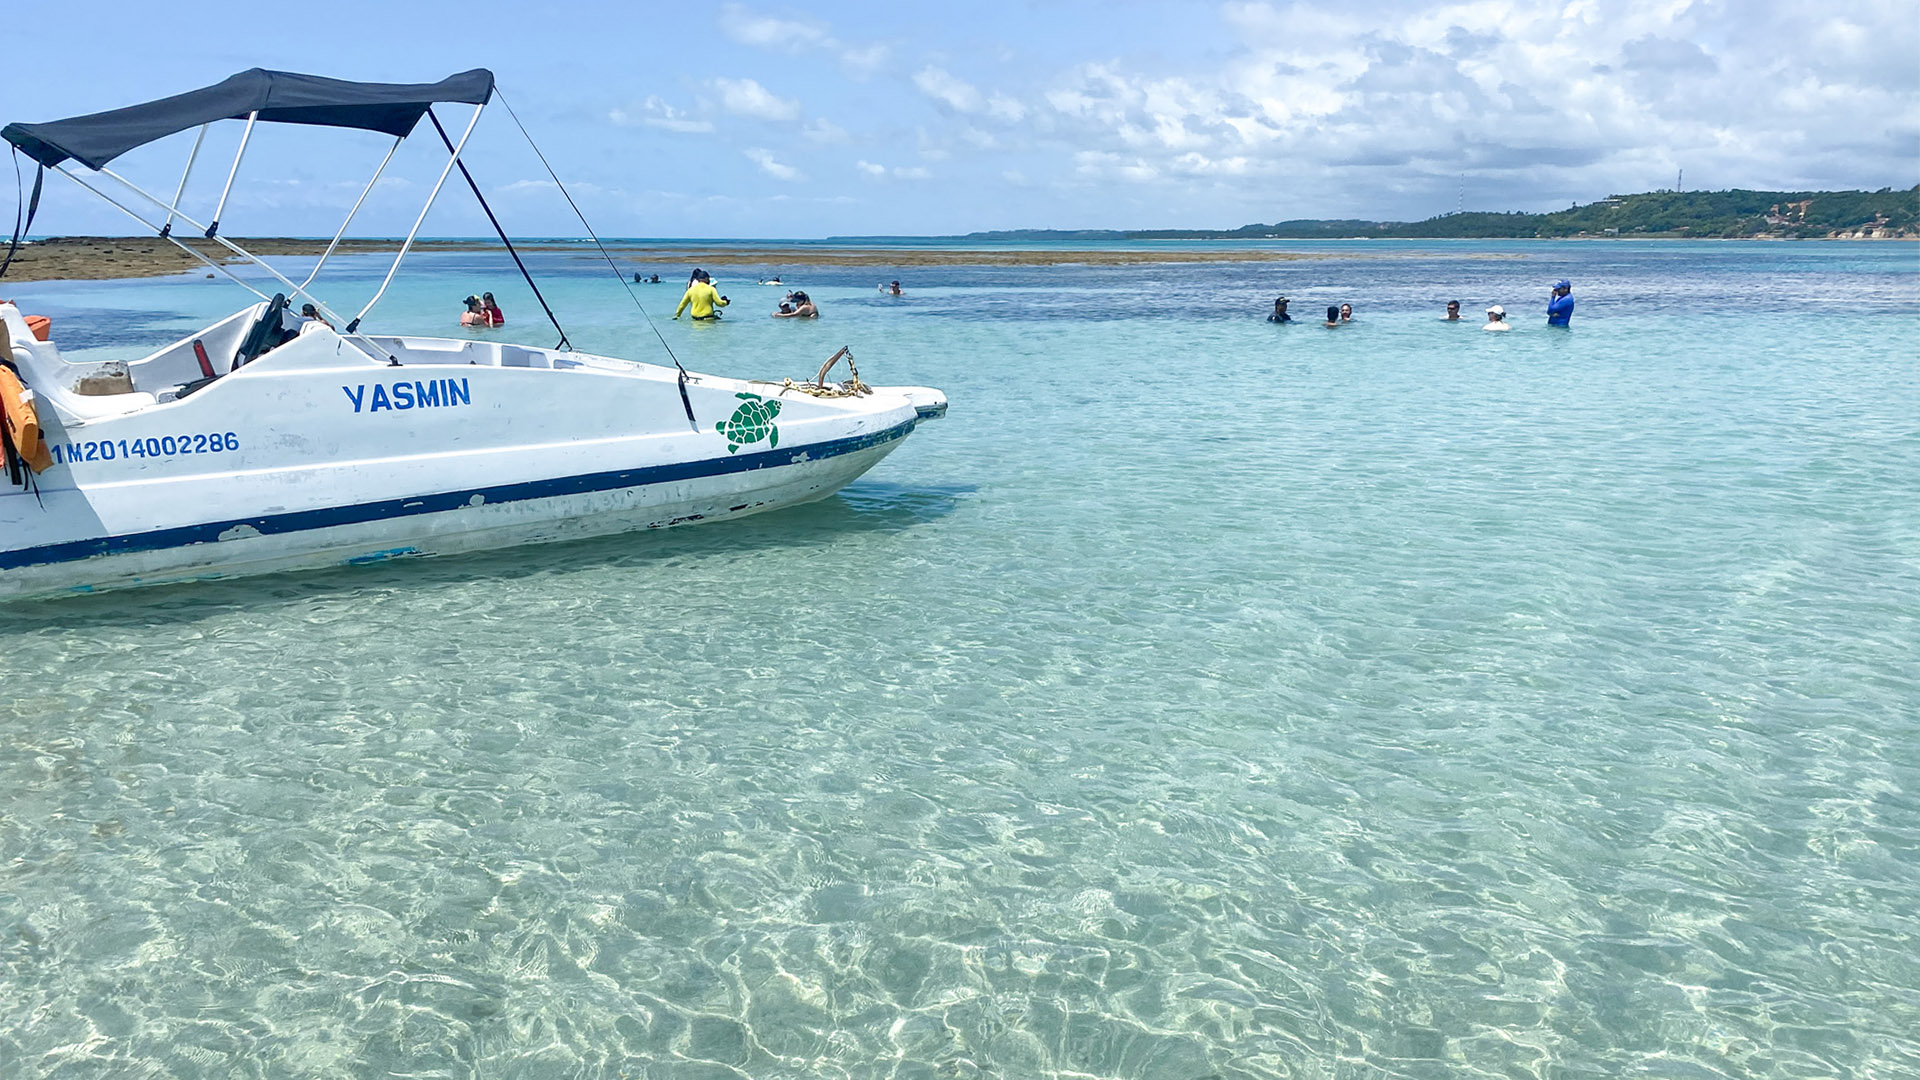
(1560, 307)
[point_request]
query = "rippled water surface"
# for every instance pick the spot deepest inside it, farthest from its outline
(1200, 698)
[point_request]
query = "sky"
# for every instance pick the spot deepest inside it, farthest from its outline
(759, 120)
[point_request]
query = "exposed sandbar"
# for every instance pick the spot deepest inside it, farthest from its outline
(97, 258)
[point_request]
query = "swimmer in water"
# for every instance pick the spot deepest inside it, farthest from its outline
(1333, 317)
(1280, 311)
(1497, 319)
(892, 289)
(1453, 311)
(1346, 312)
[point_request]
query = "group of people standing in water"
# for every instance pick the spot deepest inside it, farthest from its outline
(1559, 311)
(705, 301)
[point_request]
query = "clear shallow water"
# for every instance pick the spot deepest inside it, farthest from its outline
(1200, 698)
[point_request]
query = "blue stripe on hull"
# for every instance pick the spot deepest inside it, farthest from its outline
(305, 520)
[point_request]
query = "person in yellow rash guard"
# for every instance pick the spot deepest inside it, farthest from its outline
(702, 297)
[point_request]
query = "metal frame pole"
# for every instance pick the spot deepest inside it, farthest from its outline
(452, 160)
(166, 231)
(298, 290)
(231, 173)
(115, 203)
(356, 209)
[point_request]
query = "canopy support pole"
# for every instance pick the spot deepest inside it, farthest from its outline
(482, 200)
(174, 240)
(354, 326)
(298, 290)
(166, 231)
(328, 254)
(231, 173)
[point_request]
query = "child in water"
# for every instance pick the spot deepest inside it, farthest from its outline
(802, 308)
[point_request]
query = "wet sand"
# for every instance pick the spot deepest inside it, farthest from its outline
(95, 258)
(98, 258)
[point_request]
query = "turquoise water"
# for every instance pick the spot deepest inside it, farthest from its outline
(1200, 698)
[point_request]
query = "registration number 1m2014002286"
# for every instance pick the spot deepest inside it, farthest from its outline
(211, 442)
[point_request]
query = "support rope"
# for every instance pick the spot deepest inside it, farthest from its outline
(685, 402)
(20, 231)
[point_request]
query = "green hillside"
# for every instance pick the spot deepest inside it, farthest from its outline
(1710, 214)
(1735, 213)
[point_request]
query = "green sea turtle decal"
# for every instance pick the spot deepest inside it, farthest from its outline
(750, 423)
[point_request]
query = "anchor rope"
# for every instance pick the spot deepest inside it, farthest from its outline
(821, 388)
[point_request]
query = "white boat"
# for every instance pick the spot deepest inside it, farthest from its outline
(249, 447)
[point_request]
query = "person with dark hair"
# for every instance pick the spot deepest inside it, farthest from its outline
(310, 319)
(492, 310)
(475, 315)
(1453, 311)
(1346, 312)
(1333, 316)
(802, 308)
(1280, 311)
(702, 297)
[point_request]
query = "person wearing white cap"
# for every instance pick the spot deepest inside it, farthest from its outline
(1497, 319)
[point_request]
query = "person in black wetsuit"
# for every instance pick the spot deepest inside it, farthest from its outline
(1280, 311)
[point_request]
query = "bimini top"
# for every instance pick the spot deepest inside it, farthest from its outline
(280, 97)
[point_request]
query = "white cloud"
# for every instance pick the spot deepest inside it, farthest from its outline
(1001, 107)
(764, 158)
(769, 31)
(797, 36)
(658, 114)
(824, 131)
(941, 85)
(746, 97)
(898, 172)
(1535, 104)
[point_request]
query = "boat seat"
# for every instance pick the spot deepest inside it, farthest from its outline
(268, 331)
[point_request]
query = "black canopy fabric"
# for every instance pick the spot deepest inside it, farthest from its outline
(281, 97)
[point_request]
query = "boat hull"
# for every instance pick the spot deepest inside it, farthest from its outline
(452, 522)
